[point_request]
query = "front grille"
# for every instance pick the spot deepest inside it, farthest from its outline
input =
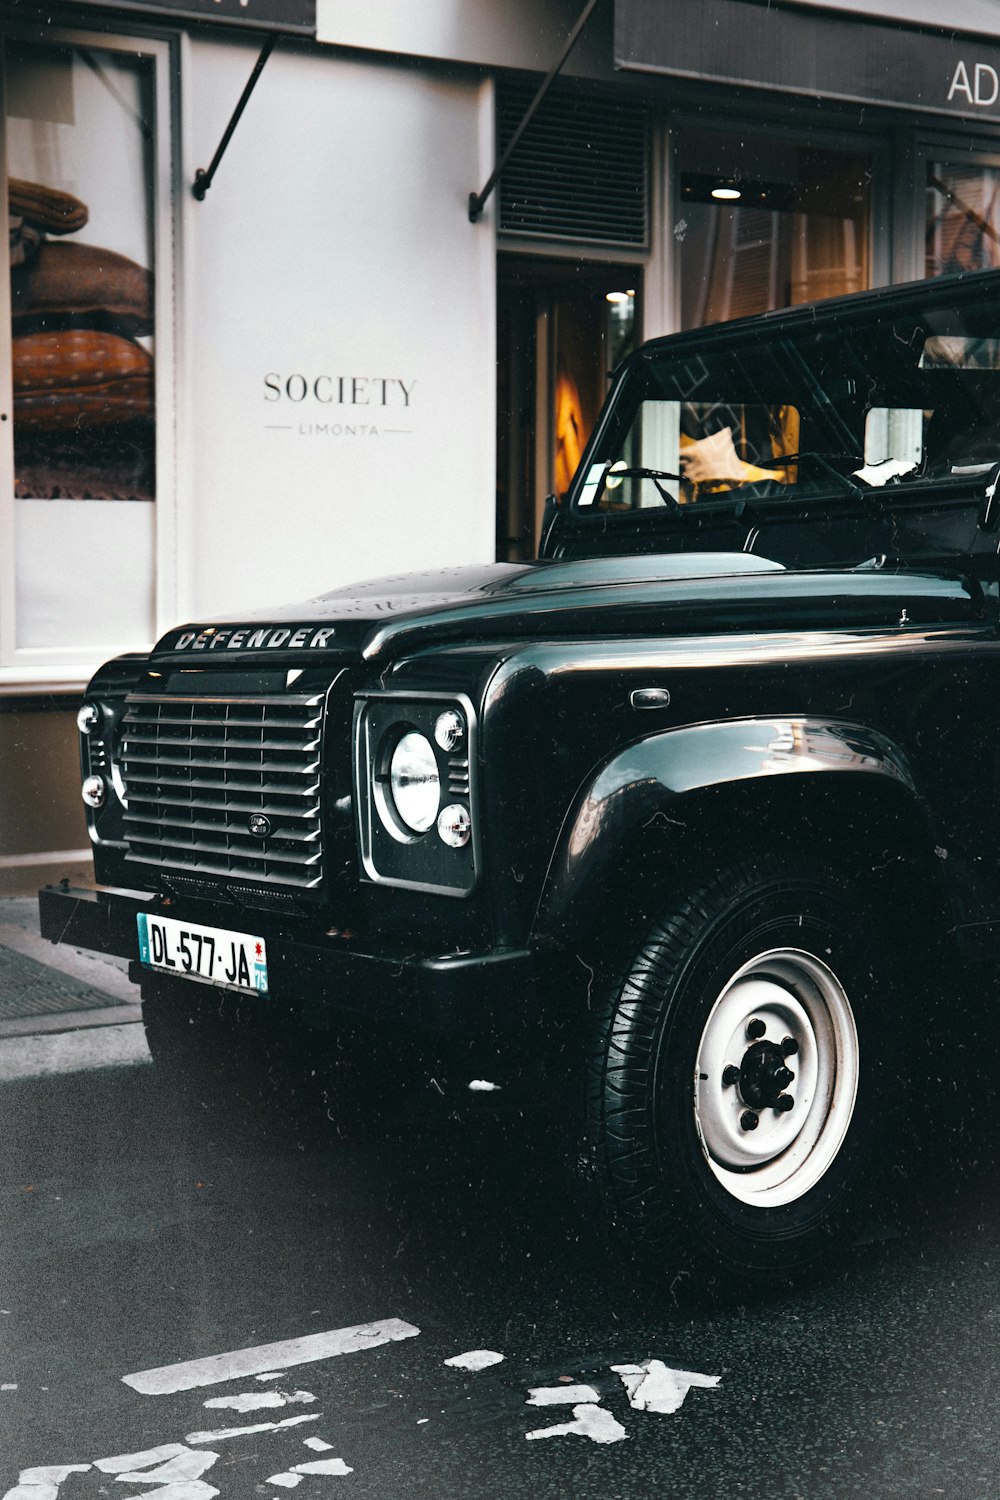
(197, 770)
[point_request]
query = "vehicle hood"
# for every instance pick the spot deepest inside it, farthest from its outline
(669, 593)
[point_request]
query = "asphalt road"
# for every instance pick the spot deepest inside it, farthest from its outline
(142, 1249)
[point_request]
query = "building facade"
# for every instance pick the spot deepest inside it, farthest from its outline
(323, 367)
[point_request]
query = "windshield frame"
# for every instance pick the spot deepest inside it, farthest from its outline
(885, 330)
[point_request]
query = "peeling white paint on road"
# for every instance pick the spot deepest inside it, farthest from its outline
(592, 1422)
(259, 1400)
(291, 1477)
(654, 1386)
(220, 1433)
(561, 1395)
(475, 1359)
(317, 1445)
(42, 1482)
(175, 1467)
(240, 1363)
(172, 1461)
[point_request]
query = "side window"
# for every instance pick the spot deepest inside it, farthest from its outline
(894, 436)
(84, 148)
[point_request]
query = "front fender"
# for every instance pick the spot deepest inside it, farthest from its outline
(643, 783)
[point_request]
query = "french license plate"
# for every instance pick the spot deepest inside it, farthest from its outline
(232, 958)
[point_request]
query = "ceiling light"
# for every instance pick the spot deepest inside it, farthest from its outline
(726, 192)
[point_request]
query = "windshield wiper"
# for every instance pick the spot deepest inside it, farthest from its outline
(822, 461)
(641, 473)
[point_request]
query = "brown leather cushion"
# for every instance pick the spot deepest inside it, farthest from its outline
(49, 209)
(80, 379)
(69, 284)
(100, 463)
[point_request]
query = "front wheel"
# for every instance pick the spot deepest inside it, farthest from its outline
(742, 1073)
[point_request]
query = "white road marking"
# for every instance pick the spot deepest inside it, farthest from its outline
(592, 1422)
(8, 1386)
(293, 1476)
(42, 1482)
(270, 1375)
(475, 1359)
(234, 1432)
(654, 1386)
(561, 1395)
(140, 1460)
(483, 1086)
(259, 1400)
(237, 1365)
(185, 1489)
(73, 1052)
(185, 1466)
(317, 1445)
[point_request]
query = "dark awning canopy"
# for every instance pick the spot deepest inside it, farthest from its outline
(828, 53)
(286, 17)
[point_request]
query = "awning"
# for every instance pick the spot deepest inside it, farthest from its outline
(822, 53)
(286, 17)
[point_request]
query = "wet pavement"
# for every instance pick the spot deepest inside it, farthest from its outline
(158, 1260)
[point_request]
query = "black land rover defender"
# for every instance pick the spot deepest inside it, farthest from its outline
(677, 813)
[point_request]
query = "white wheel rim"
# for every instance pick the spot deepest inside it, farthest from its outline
(779, 1000)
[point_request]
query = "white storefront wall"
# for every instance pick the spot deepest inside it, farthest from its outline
(338, 373)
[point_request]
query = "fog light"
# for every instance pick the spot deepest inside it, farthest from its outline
(93, 791)
(454, 826)
(449, 730)
(88, 718)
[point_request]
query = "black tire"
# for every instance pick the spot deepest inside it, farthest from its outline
(673, 1152)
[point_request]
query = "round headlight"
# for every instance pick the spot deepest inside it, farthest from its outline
(93, 791)
(88, 718)
(414, 782)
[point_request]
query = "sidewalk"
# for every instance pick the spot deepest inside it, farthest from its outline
(45, 987)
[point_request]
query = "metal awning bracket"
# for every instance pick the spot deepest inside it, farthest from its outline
(203, 177)
(477, 201)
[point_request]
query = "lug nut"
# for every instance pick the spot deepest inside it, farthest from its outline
(789, 1047)
(783, 1077)
(784, 1103)
(730, 1075)
(755, 1029)
(749, 1120)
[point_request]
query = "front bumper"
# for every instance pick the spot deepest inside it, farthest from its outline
(316, 976)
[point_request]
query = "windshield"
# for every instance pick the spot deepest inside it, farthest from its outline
(844, 411)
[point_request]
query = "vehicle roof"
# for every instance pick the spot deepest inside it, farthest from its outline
(953, 290)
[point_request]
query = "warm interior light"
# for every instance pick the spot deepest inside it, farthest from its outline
(618, 297)
(726, 193)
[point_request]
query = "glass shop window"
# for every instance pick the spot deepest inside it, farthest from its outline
(765, 223)
(81, 169)
(962, 225)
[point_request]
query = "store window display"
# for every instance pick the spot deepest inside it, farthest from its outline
(962, 227)
(766, 222)
(83, 153)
